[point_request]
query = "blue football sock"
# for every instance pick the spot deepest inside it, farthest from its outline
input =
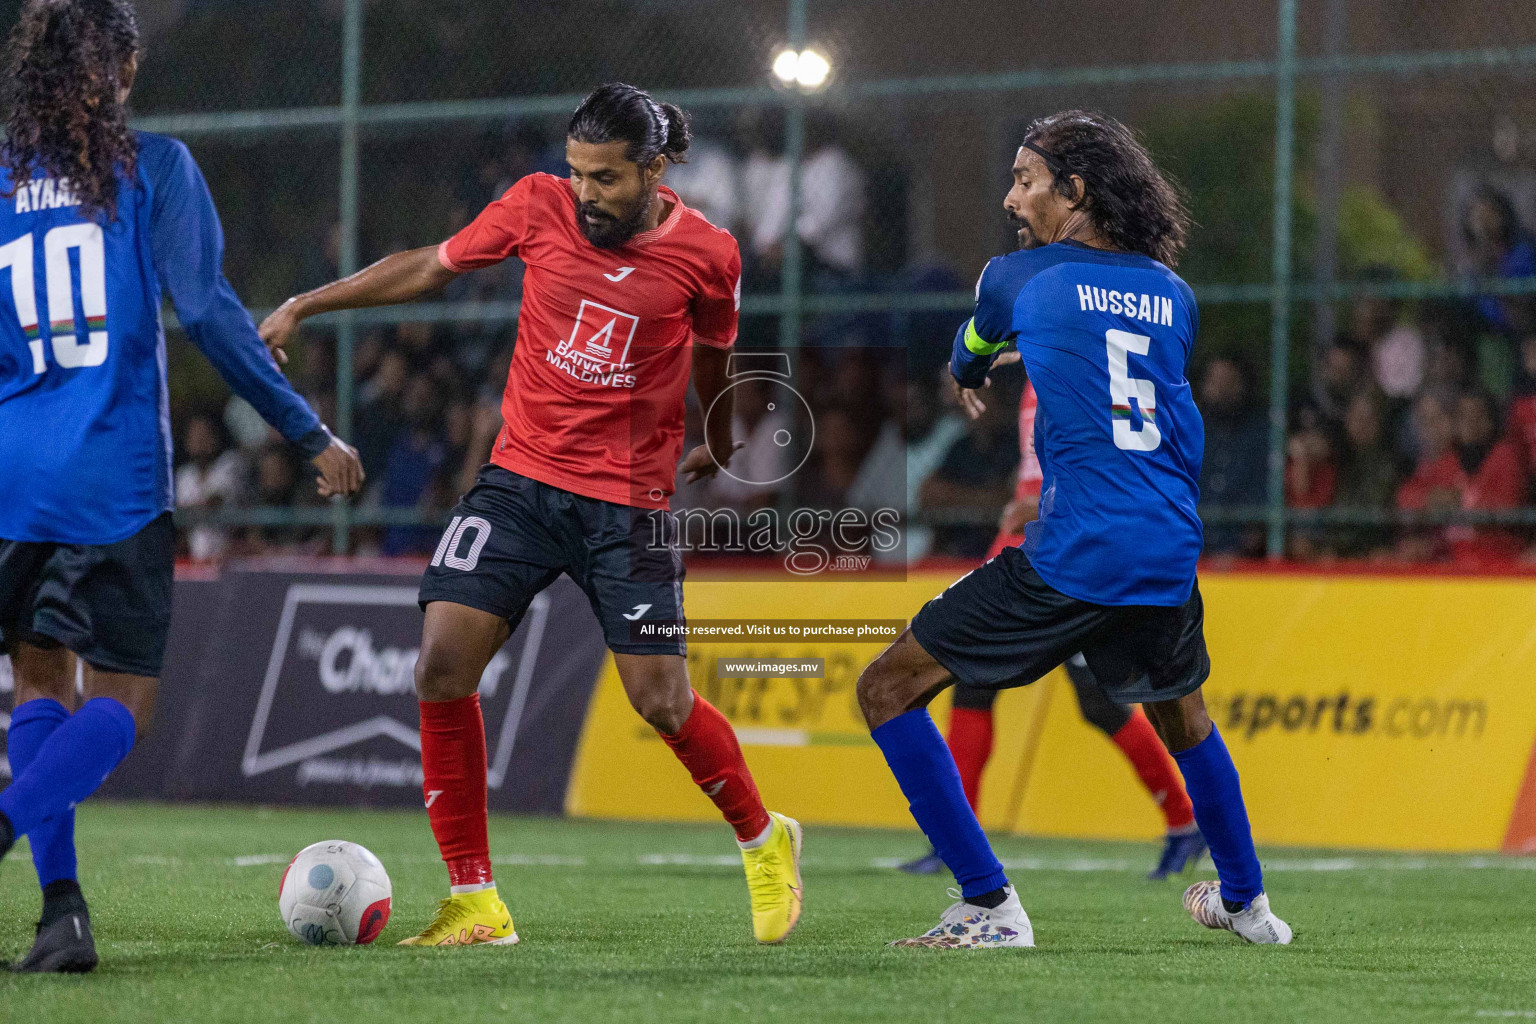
(53, 842)
(1214, 789)
(928, 778)
(70, 765)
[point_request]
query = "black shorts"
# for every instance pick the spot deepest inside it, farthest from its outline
(109, 603)
(1003, 626)
(510, 537)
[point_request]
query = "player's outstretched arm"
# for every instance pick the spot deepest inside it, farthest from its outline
(399, 278)
(710, 381)
(187, 247)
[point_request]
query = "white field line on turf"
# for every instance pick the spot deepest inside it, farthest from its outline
(1070, 864)
(256, 860)
(1313, 864)
(1506, 1013)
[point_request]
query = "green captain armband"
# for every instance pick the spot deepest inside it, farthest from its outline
(977, 345)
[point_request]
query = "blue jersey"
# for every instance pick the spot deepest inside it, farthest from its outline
(85, 433)
(1105, 338)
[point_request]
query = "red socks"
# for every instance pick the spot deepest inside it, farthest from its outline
(1155, 768)
(453, 784)
(970, 743)
(706, 744)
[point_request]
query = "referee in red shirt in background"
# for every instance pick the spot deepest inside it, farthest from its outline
(626, 291)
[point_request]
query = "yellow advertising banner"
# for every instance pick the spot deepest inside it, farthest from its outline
(803, 738)
(1377, 712)
(1362, 711)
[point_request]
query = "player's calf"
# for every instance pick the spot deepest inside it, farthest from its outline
(1238, 903)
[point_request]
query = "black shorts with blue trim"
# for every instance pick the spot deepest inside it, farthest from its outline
(1003, 626)
(109, 603)
(512, 536)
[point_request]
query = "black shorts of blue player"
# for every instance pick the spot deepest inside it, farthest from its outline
(109, 603)
(511, 536)
(1003, 626)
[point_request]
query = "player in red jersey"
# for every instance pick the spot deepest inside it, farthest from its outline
(970, 721)
(626, 291)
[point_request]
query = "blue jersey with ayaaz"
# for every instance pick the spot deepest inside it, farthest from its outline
(1106, 339)
(85, 433)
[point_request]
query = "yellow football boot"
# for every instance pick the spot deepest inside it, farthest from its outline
(468, 919)
(773, 879)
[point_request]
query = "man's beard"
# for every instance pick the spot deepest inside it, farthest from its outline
(613, 232)
(1026, 238)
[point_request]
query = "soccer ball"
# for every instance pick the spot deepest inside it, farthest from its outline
(335, 893)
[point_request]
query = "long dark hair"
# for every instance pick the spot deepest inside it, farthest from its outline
(1129, 200)
(622, 113)
(63, 69)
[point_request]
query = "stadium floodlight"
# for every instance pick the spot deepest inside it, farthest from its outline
(807, 69)
(813, 70)
(786, 66)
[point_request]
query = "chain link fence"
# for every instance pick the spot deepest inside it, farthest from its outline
(1362, 175)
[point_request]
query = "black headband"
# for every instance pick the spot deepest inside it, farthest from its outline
(1051, 160)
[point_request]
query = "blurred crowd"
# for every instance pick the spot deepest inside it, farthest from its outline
(1413, 408)
(1414, 411)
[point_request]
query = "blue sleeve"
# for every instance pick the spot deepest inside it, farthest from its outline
(187, 245)
(990, 328)
(1188, 295)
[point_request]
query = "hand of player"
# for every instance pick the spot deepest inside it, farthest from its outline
(341, 471)
(701, 464)
(969, 399)
(278, 329)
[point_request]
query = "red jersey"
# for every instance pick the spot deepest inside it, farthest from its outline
(1030, 475)
(1499, 483)
(595, 396)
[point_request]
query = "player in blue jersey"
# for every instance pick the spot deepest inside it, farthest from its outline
(1105, 330)
(97, 222)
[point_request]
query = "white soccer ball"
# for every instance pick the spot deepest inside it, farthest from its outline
(335, 893)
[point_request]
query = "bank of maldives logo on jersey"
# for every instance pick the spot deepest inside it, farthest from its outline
(597, 351)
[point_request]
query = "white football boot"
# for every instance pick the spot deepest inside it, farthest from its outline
(967, 926)
(1255, 922)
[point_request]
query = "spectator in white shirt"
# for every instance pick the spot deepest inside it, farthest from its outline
(831, 217)
(706, 182)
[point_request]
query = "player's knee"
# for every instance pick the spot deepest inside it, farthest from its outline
(876, 691)
(664, 713)
(136, 693)
(1181, 723)
(43, 674)
(664, 707)
(440, 675)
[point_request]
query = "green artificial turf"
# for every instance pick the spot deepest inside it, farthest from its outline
(626, 922)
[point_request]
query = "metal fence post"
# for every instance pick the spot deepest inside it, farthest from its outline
(790, 285)
(1280, 297)
(346, 330)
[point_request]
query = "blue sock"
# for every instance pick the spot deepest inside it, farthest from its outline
(928, 778)
(1214, 789)
(53, 842)
(70, 765)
